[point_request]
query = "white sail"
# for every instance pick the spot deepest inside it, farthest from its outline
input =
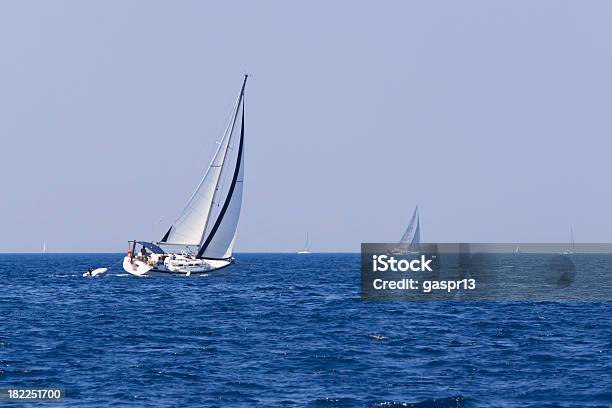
(189, 228)
(412, 236)
(220, 233)
(416, 240)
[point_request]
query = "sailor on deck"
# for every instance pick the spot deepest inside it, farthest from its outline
(144, 255)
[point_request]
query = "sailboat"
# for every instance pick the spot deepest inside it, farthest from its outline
(412, 235)
(306, 249)
(573, 250)
(202, 238)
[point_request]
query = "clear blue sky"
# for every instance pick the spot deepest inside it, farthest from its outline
(494, 116)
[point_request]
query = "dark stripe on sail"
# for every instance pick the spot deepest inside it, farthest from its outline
(165, 238)
(230, 193)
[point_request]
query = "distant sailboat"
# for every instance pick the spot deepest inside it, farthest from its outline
(412, 236)
(44, 249)
(306, 249)
(202, 238)
(573, 250)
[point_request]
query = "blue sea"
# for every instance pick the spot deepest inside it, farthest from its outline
(287, 330)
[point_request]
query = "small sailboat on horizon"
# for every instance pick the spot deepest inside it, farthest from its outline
(573, 250)
(412, 235)
(202, 238)
(306, 249)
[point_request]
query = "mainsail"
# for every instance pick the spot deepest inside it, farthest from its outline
(209, 221)
(412, 236)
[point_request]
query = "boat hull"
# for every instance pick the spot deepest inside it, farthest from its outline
(180, 267)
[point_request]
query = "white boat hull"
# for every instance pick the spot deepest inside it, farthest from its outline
(180, 266)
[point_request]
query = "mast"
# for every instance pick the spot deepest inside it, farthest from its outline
(240, 100)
